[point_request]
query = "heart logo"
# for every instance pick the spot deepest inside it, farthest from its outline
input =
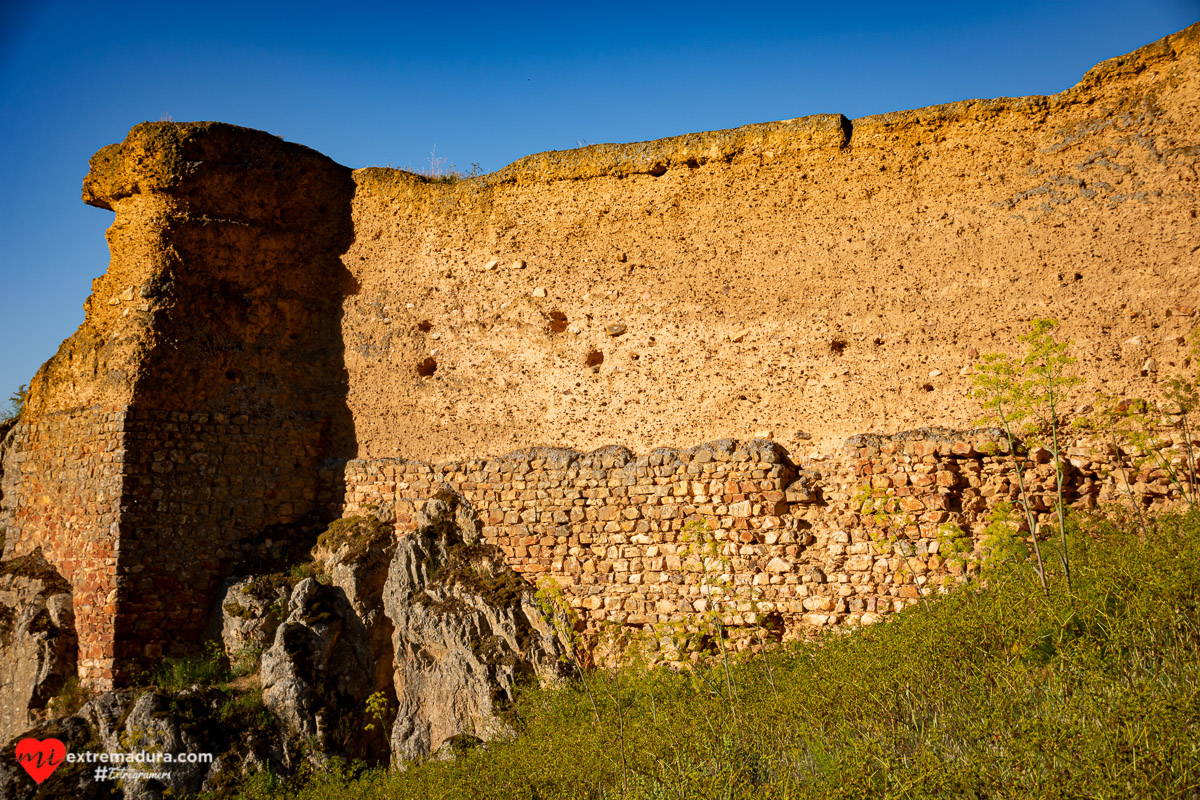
(40, 757)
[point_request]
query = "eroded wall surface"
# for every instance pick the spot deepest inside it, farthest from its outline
(821, 275)
(200, 399)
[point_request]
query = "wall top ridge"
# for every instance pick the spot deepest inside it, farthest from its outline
(770, 142)
(764, 451)
(926, 434)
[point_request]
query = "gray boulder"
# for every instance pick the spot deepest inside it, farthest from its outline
(467, 629)
(68, 780)
(194, 720)
(38, 646)
(249, 617)
(356, 554)
(318, 674)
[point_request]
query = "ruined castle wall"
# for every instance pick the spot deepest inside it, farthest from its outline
(214, 340)
(61, 489)
(65, 463)
(819, 275)
(271, 320)
(609, 526)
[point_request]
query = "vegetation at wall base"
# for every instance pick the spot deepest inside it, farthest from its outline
(995, 690)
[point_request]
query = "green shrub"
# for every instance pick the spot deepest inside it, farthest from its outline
(70, 698)
(173, 674)
(16, 402)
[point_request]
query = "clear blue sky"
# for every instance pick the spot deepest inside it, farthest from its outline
(377, 84)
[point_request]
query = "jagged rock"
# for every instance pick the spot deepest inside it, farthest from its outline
(467, 628)
(37, 640)
(249, 617)
(318, 674)
(356, 554)
(68, 780)
(154, 726)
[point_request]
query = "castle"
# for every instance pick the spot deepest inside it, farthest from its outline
(279, 337)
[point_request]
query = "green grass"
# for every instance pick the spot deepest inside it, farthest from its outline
(993, 691)
(174, 674)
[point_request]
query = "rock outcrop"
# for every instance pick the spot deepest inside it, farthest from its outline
(248, 616)
(429, 635)
(333, 652)
(467, 630)
(38, 644)
(386, 651)
(319, 673)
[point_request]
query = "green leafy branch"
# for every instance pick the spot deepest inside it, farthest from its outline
(1024, 395)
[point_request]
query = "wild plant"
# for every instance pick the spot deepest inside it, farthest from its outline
(702, 553)
(379, 711)
(1134, 427)
(1027, 393)
(554, 605)
(1118, 422)
(956, 549)
(16, 403)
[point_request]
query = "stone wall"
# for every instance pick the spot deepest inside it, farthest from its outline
(61, 490)
(609, 526)
(197, 403)
(199, 487)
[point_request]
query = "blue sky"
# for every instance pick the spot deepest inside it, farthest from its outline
(373, 84)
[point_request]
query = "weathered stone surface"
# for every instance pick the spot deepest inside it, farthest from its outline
(248, 618)
(69, 780)
(356, 555)
(229, 243)
(38, 644)
(317, 675)
(467, 629)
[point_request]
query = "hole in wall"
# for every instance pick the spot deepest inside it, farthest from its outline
(837, 346)
(927, 387)
(594, 358)
(233, 374)
(658, 170)
(424, 326)
(558, 321)
(427, 367)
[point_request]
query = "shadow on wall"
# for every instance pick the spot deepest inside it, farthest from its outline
(239, 421)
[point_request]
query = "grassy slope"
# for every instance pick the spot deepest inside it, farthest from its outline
(989, 692)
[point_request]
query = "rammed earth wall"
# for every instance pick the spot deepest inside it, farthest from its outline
(197, 403)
